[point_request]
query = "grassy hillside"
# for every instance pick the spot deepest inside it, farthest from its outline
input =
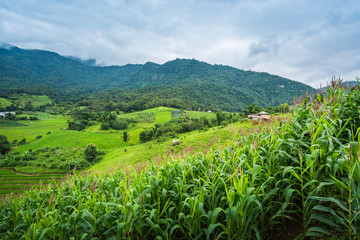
(110, 141)
(24, 128)
(190, 143)
(35, 100)
(297, 178)
(5, 103)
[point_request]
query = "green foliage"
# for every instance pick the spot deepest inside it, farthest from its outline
(185, 124)
(76, 125)
(120, 124)
(22, 141)
(91, 153)
(11, 182)
(126, 136)
(182, 83)
(303, 170)
(4, 145)
(75, 163)
(105, 126)
(16, 159)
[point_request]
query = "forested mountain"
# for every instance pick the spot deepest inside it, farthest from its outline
(19, 68)
(180, 82)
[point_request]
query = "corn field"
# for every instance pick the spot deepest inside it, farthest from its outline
(301, 174)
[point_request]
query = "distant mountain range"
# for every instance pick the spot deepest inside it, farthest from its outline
(185, 80)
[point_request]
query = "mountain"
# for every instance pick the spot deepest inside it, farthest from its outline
(182, 80)
(19, 68)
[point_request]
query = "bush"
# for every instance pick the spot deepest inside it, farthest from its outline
(76, 125)
(4, 145)
(38, 137)
(91, 152)
(119, 124)
(76, 163)
(105, 126)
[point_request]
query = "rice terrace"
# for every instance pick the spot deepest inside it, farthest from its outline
(187, 120)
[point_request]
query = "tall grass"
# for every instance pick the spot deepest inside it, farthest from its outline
(304, 172)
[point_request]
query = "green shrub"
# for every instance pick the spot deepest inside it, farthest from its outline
(105, 126)
(4, 145)
(91, 153)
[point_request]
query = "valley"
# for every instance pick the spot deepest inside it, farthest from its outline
(232, 178)
(181, 150)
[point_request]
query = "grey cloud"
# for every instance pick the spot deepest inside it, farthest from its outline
(308, 41)
(267, 46)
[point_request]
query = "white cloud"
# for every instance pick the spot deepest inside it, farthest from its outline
(307, 41)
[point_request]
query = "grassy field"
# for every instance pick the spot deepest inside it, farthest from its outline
(67, 144)
(36, 100)
(4, 103)
(196, 114)
(190, 142)
(76, 139)
(11, 182)
(31, 131)
(148, 118)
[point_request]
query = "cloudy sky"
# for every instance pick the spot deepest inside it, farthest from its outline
(304, 40)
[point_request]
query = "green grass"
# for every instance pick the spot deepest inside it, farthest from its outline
(14, 186)
(162, 115)
(31, 131)
(35, 177)
(3, 192)
(28, 181)
(36, 100)
(192, 141)
(76, 139)
(5, 102)
(40, 115)
(10, 123)
(5, 171)
(196, 114)
(11, 182)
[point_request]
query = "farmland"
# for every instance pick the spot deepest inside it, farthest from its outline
(11, 182)
(57, 149)
(30, 129)
(301, 172)
(35, 100)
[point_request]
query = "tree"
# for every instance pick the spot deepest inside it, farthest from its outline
(91, 152)
(105, 126)
(4, 145)
(126, 136)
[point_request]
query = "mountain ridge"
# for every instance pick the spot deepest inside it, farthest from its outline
(25, 68)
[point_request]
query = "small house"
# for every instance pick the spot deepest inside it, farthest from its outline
(264, 118)
(253, 116)
(261, 116)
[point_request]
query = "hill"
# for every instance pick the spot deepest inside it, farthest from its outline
(180, 80)
(298, 177)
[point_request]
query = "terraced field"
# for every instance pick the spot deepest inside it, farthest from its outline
(11, 182)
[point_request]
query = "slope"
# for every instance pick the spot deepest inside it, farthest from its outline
(218, 86)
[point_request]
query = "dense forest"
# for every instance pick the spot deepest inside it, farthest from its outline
(181, 83)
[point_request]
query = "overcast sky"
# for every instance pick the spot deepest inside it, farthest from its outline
(304, 40)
